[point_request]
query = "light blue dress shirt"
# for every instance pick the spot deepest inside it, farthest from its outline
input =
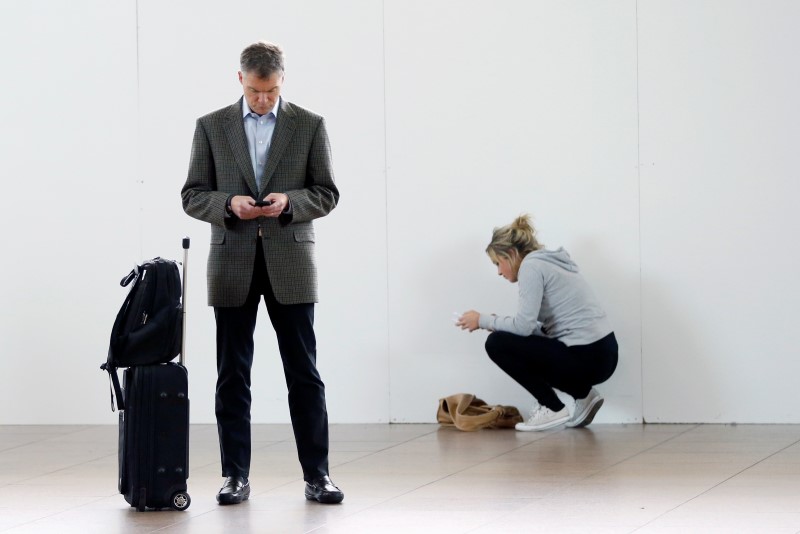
(259, 129)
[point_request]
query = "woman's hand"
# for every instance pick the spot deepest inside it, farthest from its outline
(468, 320)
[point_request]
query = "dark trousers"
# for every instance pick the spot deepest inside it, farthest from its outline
(294, 327)
(540, 364)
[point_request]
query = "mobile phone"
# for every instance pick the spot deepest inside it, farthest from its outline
(260, 203)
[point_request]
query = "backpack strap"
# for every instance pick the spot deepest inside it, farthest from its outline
(114, 386)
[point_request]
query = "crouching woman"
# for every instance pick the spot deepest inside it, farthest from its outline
(559, 338)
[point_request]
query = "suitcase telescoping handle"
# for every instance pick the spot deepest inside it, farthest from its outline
(182, 358)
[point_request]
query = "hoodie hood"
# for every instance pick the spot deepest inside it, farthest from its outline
(558, 257)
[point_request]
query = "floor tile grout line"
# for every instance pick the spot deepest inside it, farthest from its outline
(53, 472)
(48, 516)
(369, 453)
(717, 485)
(184, 519)
(393, 445)
(53, 436)
(521, 446)
(643, 451)
(427, 483)
(583, 479)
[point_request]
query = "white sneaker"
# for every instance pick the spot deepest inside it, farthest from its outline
(585, 409)
(542, 418)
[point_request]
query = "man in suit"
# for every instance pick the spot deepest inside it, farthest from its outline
(260, 173)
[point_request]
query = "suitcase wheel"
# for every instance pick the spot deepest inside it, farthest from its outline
(180, 501)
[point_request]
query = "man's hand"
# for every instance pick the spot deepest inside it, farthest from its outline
(245, 207)
(468, 320)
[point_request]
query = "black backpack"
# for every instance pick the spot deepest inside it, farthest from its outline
(149, 326)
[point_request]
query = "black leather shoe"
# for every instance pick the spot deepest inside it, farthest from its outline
(234, 491)
(323, 490)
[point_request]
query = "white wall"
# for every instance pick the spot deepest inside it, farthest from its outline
(71, 219)
(650, 139)
(719, 193)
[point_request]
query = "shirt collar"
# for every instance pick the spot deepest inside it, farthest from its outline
(247, 111)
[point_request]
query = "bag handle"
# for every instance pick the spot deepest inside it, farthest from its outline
(130, 277)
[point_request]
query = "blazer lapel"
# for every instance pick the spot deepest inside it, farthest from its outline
(281, 137)
(234, 130)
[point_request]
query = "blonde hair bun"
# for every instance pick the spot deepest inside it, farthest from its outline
(518, 237)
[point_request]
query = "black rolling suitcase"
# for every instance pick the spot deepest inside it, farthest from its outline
(154, 398)
(154, 437)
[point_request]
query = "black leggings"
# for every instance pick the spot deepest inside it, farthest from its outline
(540, 364)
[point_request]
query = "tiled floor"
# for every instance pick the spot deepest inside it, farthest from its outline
(420, 479)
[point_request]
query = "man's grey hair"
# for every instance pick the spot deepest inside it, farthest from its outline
(262, 59)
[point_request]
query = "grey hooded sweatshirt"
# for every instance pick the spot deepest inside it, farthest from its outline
(554, 301)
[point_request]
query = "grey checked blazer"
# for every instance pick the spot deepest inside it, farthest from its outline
(299, 165)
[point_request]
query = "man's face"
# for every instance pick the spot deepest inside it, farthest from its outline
(261, 93)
